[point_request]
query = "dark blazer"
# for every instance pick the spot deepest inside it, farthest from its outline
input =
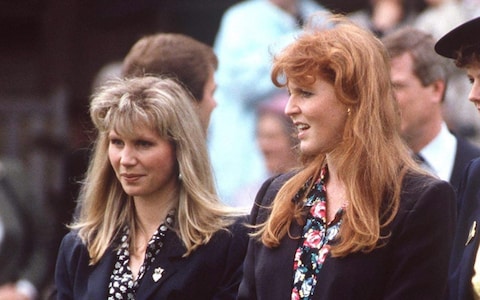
(463, 253)
(466, 151)
(25, 252)
(213, 271)
(412, 265)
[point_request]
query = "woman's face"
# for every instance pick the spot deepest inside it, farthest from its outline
(145, 164)
(473, 73)
(318, 116)
(275, 143)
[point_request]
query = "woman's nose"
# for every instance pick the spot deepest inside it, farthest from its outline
(128, 156)
(291, 108)
(474, 95)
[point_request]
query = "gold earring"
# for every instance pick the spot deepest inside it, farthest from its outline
(348, 111)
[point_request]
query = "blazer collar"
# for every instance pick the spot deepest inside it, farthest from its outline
(164, 266)
(100, 276)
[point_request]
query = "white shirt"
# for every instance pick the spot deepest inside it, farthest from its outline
(439, 154)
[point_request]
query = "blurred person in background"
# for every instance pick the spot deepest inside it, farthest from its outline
(451, 12)
(420, 78)
(192, 62)
(26, 260)
(249, 32)
(384, 16)
(457, 112)
(277, 141)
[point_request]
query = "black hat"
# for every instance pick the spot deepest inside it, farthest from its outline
(464, 35)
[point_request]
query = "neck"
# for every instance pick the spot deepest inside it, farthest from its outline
(425, 137)
(146, 225)
(150, 214)
(335, 190)
(332, 167)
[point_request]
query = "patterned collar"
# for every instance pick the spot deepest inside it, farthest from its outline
(316, 240)
(122, 284)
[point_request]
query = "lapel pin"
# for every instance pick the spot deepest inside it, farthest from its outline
(471, 233)
(157, 274)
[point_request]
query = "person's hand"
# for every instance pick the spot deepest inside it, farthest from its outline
(10, 292)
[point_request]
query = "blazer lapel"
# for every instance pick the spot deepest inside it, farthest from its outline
(100, 277)
(165, 265)
(472, 237)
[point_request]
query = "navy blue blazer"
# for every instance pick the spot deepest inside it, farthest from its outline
(465, 249)
(466, 151)
(213, 271)
(413, 264)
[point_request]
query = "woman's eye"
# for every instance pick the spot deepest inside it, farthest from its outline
(144, 144)
(116, 142)
(305, 93)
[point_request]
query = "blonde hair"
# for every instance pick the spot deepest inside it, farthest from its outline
(163, 105)
(372, 157)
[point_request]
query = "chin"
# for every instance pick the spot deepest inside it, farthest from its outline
(132, 193)
(308, 151)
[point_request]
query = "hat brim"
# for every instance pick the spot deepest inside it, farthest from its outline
(466, 34)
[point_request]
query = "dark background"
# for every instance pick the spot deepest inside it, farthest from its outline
(51, 43)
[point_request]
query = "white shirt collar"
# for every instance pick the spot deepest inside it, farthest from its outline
(440, 153)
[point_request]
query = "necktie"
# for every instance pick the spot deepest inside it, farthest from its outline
(423, 163)
(419, 158)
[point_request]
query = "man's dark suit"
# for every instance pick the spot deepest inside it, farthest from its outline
(25, 252)
(213, 271)
(412, 265)
(465, 249)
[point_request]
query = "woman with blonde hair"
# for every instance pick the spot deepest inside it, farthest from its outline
(360, 219)
(151, 224)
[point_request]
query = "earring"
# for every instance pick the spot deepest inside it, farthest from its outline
(180, 178)
(348, 111)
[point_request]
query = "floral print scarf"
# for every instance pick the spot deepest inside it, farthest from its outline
(317, 236)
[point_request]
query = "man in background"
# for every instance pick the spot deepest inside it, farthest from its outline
(419, 77)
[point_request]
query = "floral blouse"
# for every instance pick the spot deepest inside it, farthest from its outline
(317, 236)
(122, 284)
